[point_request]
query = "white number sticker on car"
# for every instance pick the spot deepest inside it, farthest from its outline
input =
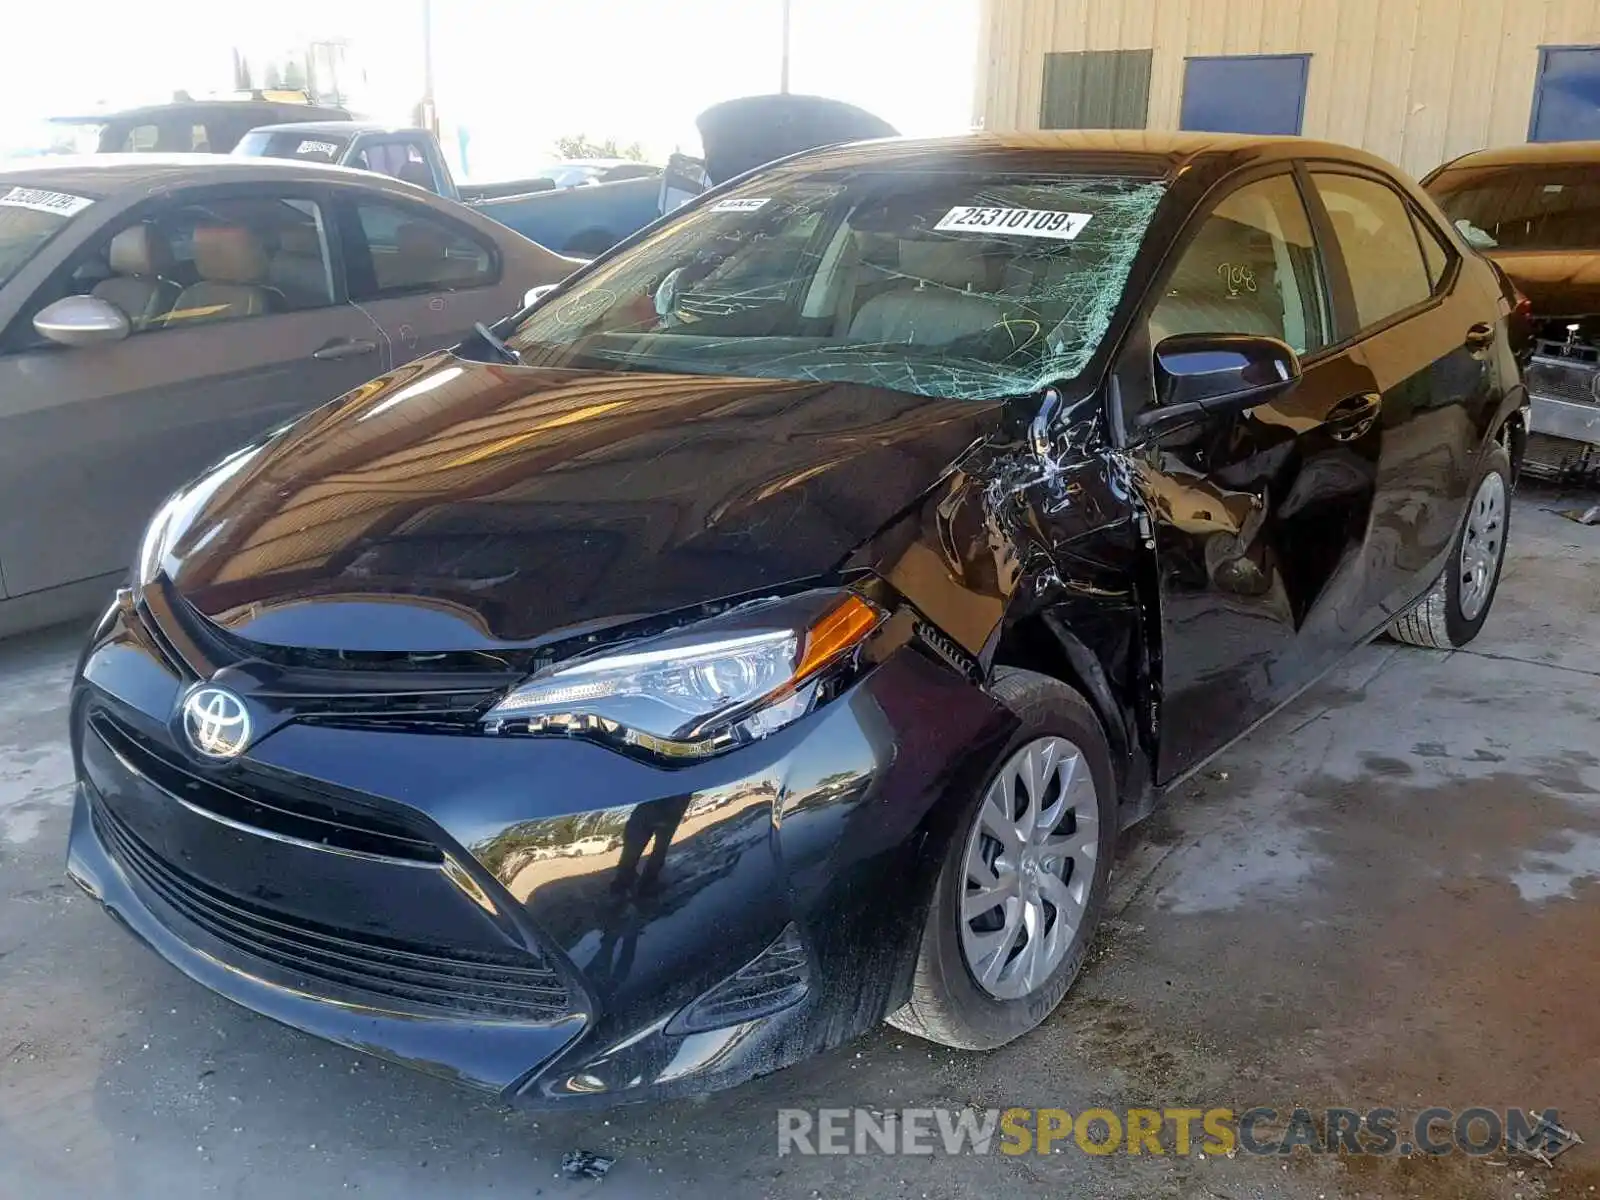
(748, 204)
(59, 203)
(310, 147)
(1021, 222)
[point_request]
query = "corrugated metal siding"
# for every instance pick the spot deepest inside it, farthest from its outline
(1096, 89)
(1417, 81)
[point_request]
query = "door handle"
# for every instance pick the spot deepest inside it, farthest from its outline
(1479, 337)
(347, 348)
(1351, 418)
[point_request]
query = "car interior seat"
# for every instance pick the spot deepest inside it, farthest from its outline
(1225, 282)
(232, 264)
(140, 285)
(422, 258)
(941, 297)
(298, 270)
(417, 174)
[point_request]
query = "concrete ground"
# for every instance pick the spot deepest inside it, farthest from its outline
(1389, 894)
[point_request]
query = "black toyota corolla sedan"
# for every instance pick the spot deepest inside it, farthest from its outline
(769, 631)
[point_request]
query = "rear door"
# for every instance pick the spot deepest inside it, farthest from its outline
(93, 438)
(1426, 331)
(1260, 516)
(424, 277)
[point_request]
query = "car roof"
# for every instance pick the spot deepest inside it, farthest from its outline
(1530, 154)
(177, 107)
(1143, 152)
(341, 128)
(100, 175)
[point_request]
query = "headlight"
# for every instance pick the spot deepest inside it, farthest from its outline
(153, 546)
(701, 689)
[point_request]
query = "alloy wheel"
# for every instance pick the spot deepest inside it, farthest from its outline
(1481, 544)
(1028, 867)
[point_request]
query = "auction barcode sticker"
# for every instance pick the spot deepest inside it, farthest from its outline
(748, 204)
(1023, 222)
(39, 200)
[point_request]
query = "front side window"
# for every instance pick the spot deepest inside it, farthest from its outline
(1252, 268)
(1379, 243)
(943, 284)
(1523, 207)
(395, 250)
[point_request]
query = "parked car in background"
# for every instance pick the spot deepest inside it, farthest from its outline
(619, 199)
(193, 126)
(770, 630)
(414, 156)
(1535, 212)
(156, 312)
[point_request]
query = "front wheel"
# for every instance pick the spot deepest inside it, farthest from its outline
(1455, 608)
(1024, 879)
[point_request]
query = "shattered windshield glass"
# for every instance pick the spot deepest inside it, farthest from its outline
(944, 284)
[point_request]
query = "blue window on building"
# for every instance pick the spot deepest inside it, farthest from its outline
(1566, 99)
(1256, 93)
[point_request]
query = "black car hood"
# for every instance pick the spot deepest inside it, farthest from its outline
(1558, 283)
(740, 135)
(458, 505)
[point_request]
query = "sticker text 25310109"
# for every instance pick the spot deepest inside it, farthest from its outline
(1021, 222)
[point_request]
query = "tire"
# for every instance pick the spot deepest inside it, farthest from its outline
(1443, 619)
(950, 1004)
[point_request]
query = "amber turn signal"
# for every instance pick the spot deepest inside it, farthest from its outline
(835, 633)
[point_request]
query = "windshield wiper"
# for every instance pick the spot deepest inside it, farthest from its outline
(491, 339)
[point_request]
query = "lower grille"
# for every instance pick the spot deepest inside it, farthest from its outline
(775, 979)
(381, 973)
(1560, 459)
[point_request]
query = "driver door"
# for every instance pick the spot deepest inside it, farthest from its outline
(1259, 516)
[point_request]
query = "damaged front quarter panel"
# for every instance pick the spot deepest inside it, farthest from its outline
(1033, 551)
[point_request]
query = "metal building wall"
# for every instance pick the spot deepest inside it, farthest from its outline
(1416, 81)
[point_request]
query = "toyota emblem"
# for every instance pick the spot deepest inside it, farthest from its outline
(216, 722)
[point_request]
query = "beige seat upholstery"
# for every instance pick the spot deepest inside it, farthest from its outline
(940, 301)
(298, 270)
(232, 265)
(421, 259)
(1226, 282)
(141, 262)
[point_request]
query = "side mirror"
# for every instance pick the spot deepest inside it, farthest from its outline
(1200, 374)
(82, 321)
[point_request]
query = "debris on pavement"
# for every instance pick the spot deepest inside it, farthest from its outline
(585, 1164)
(1544, 1142)
(1583, 516)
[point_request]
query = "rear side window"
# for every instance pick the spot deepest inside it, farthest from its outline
(1379, 242)
(396, 249)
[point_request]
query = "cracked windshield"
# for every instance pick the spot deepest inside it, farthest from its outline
(945, 285)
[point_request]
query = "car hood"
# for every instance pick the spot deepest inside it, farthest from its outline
(456, 505)
(740, 135)
(1558, 283)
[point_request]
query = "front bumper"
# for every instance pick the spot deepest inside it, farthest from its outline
(533, 917)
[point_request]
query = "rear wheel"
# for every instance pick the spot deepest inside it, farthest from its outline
(1455, 608)
(1024, 879)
